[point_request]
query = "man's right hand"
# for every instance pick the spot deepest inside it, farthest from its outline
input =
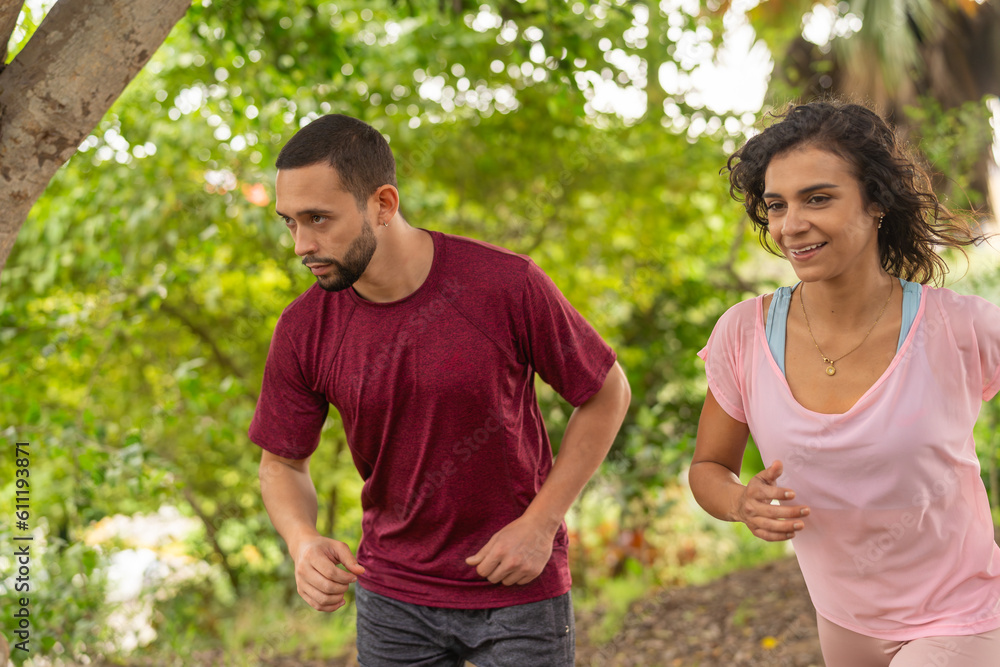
(320, 582)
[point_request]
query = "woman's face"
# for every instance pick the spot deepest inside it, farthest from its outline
(817, 215)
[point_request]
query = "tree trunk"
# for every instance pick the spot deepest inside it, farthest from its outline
(9, 10)
(60, 85)
(960, 63)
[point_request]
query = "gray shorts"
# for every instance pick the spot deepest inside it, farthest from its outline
(393, 633)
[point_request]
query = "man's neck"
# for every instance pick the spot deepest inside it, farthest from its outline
(400, 265)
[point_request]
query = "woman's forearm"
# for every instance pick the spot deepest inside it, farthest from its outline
(717, 489)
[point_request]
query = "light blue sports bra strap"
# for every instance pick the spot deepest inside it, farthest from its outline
(911, 304)
(777, 318)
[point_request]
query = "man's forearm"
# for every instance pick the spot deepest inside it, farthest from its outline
(588, 438)
(290, 499)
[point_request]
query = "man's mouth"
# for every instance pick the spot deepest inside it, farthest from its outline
(319, 269)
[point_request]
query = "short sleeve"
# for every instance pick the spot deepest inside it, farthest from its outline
(986, 320)
(562, 347)
(290, 413)
(723, 356)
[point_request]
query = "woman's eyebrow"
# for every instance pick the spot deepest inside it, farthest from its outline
(807, 190)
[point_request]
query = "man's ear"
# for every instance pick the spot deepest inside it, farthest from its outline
(387, 198)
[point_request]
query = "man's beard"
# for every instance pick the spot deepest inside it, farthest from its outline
(356, 259)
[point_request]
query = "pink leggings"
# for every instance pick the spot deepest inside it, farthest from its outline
(844, 648)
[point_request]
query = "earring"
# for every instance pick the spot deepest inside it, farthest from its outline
(880, 219)
(385, 224)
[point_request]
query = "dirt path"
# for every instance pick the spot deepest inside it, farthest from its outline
(760, 617)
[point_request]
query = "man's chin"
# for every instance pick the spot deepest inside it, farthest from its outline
(333, 284)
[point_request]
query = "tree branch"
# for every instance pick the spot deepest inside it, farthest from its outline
(730, 265)
(202, 333)
(9, 11)
(210, 533)
(334, 500)
(61, 84)
(95, 373)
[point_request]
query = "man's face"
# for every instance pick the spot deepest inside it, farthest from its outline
(334, 239)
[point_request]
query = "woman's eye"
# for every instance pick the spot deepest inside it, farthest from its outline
(818, 199)
(774, 206)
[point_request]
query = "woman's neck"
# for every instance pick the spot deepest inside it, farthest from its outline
(849, 302)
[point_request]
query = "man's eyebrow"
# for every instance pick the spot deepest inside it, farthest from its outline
(804, 191)
(308, 211)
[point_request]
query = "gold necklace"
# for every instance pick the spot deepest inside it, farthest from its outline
(831, 369)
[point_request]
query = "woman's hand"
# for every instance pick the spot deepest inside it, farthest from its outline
(767, 521)
(715, 479)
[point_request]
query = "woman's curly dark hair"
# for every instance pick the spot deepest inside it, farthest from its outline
(891, 178)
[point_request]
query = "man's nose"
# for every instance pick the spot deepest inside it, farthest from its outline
(305, 241)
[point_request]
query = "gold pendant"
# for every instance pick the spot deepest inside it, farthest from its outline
(830, 370)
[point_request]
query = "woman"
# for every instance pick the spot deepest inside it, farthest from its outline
(860, 386)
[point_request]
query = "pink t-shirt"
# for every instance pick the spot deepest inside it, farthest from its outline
(899, 543)
(436, 392)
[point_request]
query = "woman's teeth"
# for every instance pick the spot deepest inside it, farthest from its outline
(807, 249)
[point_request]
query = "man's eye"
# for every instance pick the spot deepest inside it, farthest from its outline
(318, 219)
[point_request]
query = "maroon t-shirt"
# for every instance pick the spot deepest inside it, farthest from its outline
(436, 392)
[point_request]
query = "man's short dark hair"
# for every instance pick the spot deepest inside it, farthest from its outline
(358, 152)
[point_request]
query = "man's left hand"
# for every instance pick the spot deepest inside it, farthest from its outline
(516, 554)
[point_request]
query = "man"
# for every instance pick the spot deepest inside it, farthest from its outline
(427, 345)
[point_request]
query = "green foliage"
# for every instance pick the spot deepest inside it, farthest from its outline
(984, 280)
(952, 141)
(137, 306)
